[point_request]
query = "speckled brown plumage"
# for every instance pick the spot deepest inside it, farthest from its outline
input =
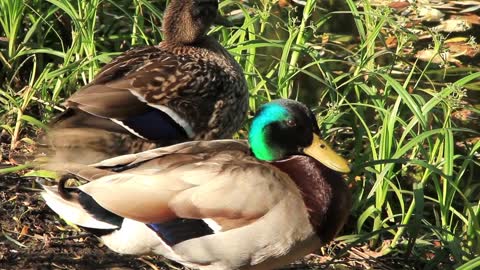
(189, 83)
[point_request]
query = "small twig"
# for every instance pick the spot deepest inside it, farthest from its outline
(41, 101)
(154, 267)
(83, 235)
(11, 239)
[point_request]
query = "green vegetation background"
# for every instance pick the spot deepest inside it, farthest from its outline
(408, 122)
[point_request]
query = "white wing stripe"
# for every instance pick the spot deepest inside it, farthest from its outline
(173, 115)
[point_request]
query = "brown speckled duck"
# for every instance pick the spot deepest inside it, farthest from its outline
(221, 204)
(186, 88)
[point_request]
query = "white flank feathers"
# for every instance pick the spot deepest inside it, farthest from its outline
(72, 211)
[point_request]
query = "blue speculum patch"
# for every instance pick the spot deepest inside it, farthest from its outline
(180, 229)
(155, 125)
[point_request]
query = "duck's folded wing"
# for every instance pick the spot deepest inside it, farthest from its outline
(151, 161)
(153, 87)
(238, 195)
(100, 99)
(199, 148)
(228, 188)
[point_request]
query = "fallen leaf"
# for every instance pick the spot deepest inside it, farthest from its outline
(471, 18)
(453, 25)
(460, 48)
(429, 14)
(399, 6)
(437, 58)
(23, 232)
(391, 42)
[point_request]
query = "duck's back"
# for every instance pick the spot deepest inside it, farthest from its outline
(154, 96)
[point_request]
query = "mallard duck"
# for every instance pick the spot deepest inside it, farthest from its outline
(186, 88)
(221, 204)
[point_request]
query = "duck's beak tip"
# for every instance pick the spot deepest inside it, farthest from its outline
(322, 152)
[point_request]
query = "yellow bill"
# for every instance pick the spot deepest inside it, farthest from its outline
(320, 151)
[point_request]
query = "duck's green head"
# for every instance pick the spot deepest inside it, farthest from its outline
(285, 127)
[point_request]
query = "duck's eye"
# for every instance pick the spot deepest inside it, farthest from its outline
(291, 122)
